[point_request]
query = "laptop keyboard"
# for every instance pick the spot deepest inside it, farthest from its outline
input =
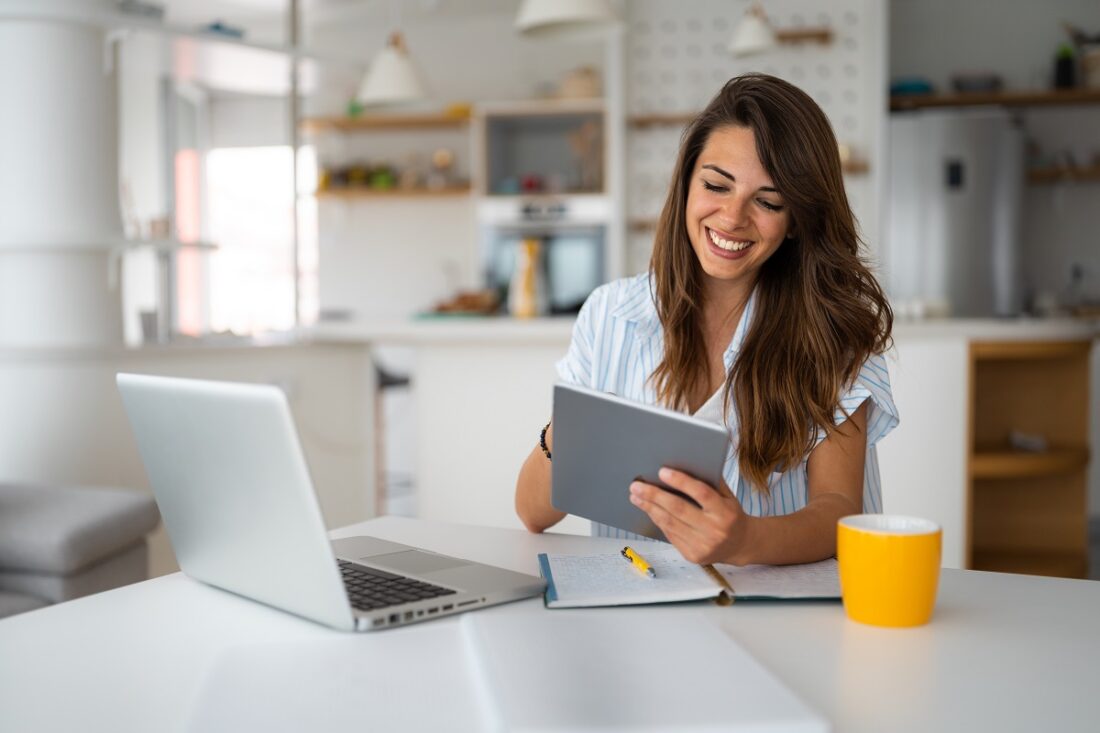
(369, 588)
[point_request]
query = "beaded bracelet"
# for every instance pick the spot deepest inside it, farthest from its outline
(542, 441)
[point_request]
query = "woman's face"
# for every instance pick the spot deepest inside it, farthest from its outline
(735, 218)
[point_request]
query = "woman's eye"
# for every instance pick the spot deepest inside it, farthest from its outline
(711, 187)
(770, 206)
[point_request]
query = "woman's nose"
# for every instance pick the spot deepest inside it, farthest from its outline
(736, 210)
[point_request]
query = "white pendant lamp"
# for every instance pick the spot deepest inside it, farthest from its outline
(392, 78)
(563, 18)
(754, 34)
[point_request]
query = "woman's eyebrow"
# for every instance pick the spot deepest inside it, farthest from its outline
(719, 171)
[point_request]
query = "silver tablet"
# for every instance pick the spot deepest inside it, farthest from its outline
(603, 442)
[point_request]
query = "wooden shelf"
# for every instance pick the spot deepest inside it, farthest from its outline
(387, 122)
(543, 107)
(165, 245)
(1006, 464)
(1056, 174)
(1035, 98)
(374, 193)
(661, 120)
(1029, 350)
(548, 195)
(1037, 562)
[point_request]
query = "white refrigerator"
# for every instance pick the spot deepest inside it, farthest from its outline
(953, 220)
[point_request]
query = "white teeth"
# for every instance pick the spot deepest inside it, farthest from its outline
(727, 244)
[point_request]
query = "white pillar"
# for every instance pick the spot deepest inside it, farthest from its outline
(59, 212)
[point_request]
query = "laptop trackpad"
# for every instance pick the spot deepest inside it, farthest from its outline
(414, 562)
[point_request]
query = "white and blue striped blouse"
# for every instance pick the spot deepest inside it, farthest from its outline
(618, 342)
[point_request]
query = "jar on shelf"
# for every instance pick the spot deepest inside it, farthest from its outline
(527, 291)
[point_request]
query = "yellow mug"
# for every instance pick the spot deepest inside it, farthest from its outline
(889, 568)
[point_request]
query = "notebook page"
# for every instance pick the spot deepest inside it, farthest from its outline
(812, 580)
(609, 580)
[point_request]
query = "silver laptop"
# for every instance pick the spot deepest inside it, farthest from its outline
(235, 494)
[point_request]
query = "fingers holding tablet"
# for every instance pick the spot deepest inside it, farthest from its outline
(705, 523)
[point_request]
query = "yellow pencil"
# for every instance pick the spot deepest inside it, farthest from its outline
(638, 561)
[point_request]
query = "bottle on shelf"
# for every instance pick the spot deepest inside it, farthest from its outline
(527, 291)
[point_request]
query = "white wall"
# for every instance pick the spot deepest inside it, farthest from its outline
(392, 257)
(1014, 38)
(249, 121)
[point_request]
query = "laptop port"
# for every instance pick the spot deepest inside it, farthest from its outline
(448, 607)
(408, 615)
(433, 610)
(419, 614)
(467, 603)
(394, 618)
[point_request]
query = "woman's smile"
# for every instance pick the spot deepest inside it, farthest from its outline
(727, 245)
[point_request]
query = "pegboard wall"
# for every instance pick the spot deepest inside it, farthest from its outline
(677, 58)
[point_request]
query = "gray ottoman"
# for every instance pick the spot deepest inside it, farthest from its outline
(58, 543)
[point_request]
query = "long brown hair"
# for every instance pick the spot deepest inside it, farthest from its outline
(819, 312)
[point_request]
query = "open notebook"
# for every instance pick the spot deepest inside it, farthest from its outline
(575, 581)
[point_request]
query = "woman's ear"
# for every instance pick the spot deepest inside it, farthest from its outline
(792, 230)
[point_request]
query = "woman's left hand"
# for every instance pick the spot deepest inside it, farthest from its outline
(714, 531)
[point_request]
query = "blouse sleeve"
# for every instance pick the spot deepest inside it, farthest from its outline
(872, 385)
(576, 366)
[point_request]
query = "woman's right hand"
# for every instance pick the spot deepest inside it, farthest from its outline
(712, 529)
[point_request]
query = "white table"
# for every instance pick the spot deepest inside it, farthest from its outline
(1003, 652)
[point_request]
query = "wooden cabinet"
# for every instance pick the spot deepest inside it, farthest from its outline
(1027, 511)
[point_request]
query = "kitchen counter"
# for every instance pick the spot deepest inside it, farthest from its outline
(181, 346)
(453, 329)
(998, 329)
(557, 330)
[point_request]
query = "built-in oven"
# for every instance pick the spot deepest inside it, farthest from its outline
(569, 234)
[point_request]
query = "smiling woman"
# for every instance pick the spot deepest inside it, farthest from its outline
(758, 313)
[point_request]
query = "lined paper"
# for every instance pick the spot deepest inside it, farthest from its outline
(610, 580)
(809, 581)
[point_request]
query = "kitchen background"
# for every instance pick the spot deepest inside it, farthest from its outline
(356, 275)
